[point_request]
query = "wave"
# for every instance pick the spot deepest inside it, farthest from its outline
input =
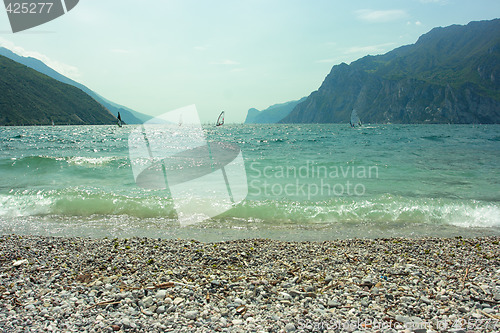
(436, 138)
(382, 210)
(83, 202)
(92, 161)
(49, 161)
(495, 139)
(272, 140)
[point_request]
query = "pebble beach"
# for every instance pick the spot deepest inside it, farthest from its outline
(57, 284)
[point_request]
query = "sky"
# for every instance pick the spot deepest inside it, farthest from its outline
(156, 56)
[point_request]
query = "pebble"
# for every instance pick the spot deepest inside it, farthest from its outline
(191, 314)
(425, 300)
(29, 307)
(258, 285)
(178, 300)
(125, 322)
(160, 294)
(147, 301)
(333, 304)
(285, 296)
(18, 263)
(402, 319)
(294, 293)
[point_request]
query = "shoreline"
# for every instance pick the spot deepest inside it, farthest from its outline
(64, 284)
(114, 226)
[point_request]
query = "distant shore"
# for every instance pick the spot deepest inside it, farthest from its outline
(259, 285)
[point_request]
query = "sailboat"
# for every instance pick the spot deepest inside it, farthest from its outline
(220, 120)
(120, 122)
(355, 121)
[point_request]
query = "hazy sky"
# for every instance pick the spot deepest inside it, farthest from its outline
(156, 56)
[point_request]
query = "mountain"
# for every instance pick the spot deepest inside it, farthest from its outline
(129, 116)
(450, 75)
(28, 97)
(272, 114)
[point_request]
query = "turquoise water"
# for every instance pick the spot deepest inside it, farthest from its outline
(305, 182)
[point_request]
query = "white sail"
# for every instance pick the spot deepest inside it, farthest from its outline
(355, 121)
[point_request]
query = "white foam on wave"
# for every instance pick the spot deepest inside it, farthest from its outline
(93, 161)
(24, 205)
(73, 160)
(395, 209)
(479, 216)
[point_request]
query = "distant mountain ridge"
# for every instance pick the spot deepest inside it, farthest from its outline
(28, 97)
(272, 114)
(450, 75)
(128, 115)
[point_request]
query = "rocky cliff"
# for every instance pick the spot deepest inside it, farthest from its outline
(272, 114)
(450, 75)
